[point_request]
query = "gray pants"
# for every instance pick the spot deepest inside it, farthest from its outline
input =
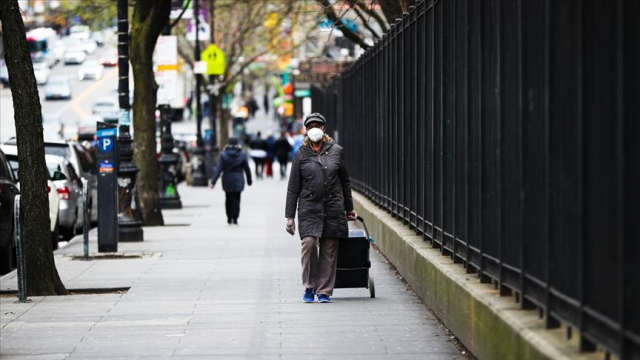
(319, 272)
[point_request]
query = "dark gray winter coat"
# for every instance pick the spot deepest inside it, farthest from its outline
(320, 188)
(232, 163)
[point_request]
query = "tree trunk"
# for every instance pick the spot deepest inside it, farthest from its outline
(149, 17)
(42, 275)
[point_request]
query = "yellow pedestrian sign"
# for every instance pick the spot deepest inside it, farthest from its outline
(214, 57)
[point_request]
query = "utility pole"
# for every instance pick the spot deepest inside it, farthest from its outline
(213, 96)
(199, 177)
(129, 219)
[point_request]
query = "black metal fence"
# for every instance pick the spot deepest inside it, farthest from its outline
(508, 134)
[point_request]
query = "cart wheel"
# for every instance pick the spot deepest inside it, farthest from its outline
(372, 287)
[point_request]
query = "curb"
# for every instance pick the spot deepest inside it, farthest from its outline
(490, 326)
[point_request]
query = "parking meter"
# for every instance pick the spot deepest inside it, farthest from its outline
(107, 162)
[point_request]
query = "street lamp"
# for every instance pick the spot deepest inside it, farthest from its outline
(198, 174)
(129, 219)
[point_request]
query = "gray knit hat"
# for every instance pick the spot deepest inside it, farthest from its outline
(314, 117)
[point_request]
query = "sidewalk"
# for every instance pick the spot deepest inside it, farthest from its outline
(203, 289)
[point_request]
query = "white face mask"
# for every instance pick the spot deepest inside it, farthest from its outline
(315, 134)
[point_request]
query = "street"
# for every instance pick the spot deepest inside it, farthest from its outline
(84, 92)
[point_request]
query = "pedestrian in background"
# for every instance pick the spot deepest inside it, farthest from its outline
(233, 162)
(283, 152)
(271, 153)
(258, 154)
(320, 188)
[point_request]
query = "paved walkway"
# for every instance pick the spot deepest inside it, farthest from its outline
(203, 289)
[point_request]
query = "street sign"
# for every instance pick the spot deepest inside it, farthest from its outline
(107, 161)
(214, 58)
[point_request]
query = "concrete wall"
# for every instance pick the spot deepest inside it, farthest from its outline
(489, 325)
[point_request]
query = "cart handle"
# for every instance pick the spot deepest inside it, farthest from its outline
(359, 218)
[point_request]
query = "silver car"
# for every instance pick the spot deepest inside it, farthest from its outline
(58, 87)
(91, 69)
(107, 107)
(83, 163)
(74, 56)
(69, 187)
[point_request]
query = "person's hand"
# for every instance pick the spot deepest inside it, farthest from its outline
(211, 186)
(291, 226)
(352, 215)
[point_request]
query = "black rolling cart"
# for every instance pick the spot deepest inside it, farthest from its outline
(354, 260)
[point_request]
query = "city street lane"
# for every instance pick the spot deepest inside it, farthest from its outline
(83, 94)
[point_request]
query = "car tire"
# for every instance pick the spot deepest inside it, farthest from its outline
(55, 235)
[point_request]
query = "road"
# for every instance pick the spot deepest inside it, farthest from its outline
(83, 93)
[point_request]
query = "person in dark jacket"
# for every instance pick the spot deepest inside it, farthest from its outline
(259, 149)
(320, 188)
(283, 152)
(232, 163)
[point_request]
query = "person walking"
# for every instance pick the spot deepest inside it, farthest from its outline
(271, 152)
(283, 152)
(259, 154)
(320, 189)
(233, 162)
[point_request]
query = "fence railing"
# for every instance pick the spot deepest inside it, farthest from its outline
(508, 134)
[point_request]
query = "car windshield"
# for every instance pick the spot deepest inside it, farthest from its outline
(62, 150)
(58, 82)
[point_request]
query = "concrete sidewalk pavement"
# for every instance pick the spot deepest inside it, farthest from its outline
(202, 289)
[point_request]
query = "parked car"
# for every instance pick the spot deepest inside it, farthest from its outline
(74, 56)
(109, 58)
(11, 153)
(8, 191)
(58, 87)
(107, 107)
(91, 69)
(69, 187)
(41, 71)
(83, 162)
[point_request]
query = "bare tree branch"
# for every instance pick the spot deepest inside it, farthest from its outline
(337, 20)
(181, 13)
(374, 14)
(365, 21)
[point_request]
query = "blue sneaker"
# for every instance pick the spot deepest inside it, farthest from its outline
(308, 296)
(322, 298)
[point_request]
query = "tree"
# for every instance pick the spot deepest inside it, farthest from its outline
(264, 33)
(96, 14)
(149, 17)
(364, 13)
(42, 275)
